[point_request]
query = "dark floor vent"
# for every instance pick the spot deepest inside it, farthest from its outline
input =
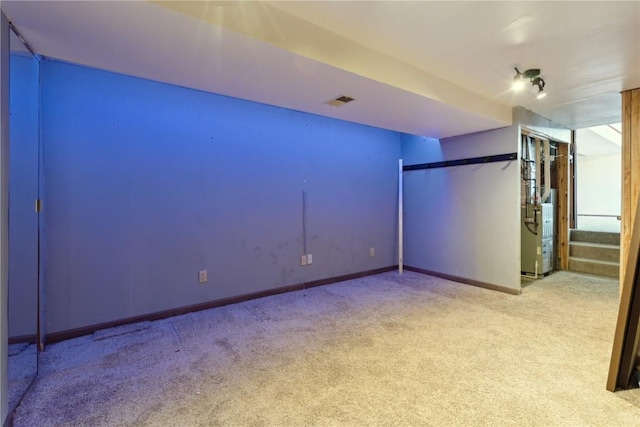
(341, 100)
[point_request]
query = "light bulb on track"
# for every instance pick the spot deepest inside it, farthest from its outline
(531, 75)
(518, 84)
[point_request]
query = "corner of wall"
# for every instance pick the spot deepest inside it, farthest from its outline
(4, 209)
(419, 149)
(460, 210)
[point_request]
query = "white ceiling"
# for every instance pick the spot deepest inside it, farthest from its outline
(598, 141)
(429, 68)
(16, 44)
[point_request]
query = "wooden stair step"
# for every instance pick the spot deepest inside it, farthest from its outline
(595, 267)
(596, 251)
(595, 237)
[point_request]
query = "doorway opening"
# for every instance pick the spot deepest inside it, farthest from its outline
(595, 238)
(599, 178)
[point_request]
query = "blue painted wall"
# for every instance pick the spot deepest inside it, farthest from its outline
(23, 191)
(147, 183)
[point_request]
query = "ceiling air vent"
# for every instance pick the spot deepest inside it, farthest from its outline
(341, 100)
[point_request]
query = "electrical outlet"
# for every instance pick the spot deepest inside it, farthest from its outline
(303, 260)
(309, 259)
(372, 251)
(202, 276)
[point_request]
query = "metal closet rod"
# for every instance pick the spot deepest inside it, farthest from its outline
(461, 162)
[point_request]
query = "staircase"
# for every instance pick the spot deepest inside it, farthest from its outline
(595, 252)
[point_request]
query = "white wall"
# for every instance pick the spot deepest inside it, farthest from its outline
(598, 179)
(463, 221)
(599, 185)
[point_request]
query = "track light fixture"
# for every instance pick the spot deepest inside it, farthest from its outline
(533, 76)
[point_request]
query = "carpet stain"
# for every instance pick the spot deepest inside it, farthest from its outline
(228, 347)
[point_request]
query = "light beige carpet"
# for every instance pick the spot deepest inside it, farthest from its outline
(406, 350)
